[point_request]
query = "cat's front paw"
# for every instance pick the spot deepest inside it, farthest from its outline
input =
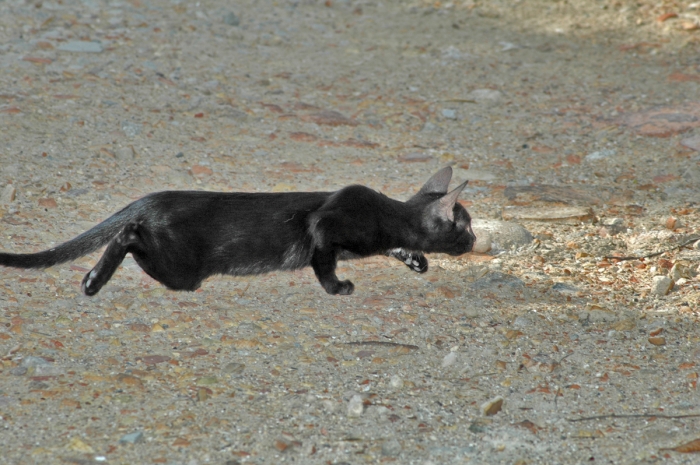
(417, 262)
(339, 288)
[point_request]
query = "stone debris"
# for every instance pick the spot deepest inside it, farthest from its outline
(563, 215)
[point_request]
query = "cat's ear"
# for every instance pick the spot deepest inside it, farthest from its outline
(443, 207)
(437, 184)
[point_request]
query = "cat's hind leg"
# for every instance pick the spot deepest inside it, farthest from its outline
(118, 247)
(414, 260)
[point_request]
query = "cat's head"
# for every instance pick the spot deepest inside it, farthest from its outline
(446, 223)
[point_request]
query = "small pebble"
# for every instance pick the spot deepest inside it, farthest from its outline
(449, 113)
(130, 128)
(8, 194)
(355, 406)
(81, 46)
(600, 155)
(78, 445)
(522, 322)
(131, 438)
(207, 381)
(673, 223)
(32, 361)
(328, 405)
(396, 382)
(391, 448)
(492, 407)
(233, 368)
(449, 359)
(231, 19)
(485, 95)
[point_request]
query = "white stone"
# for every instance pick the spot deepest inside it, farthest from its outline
(661, 285)
(449, 359)
(485, 95)
(503, 235)
(522, 322)
(600, 155)
(355, 406)
(483, 242)
(396, 382)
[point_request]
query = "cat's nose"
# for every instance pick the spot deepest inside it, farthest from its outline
(471, 232)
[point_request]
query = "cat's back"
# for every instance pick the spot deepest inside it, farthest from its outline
(360, 199)
(227, 212)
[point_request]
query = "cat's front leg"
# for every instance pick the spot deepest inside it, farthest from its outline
(324, 263)
(414, 260)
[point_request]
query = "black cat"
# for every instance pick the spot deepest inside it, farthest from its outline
(182, 237)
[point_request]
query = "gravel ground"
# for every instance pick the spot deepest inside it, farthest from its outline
(578, 120)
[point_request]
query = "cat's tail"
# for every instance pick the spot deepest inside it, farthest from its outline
(85, 243)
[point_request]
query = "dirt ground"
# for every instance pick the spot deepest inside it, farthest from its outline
(579, 120)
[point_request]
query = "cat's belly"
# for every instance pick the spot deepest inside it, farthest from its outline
(293, 257)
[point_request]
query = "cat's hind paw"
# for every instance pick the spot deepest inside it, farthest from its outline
(91, 284)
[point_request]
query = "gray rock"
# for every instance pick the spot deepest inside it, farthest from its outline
(131, 438)
(692, 143)
(81, 46)
(473, 312)
(498, 280)
(522, 322)
(504, 235)
(600, 155)
(597, 315)
(477, 175)
(449, 359)
(8, 194)
(328, 405)
(449, 113)
(231, 19)
(396, 382)
(485, 96)
(565, 288)
(32, 362)
(233, 368)
(124, 153)
(391, 448)
(613, 226)
(130, 128)
(47, 370)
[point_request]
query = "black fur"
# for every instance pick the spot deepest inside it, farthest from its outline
(182, 237)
